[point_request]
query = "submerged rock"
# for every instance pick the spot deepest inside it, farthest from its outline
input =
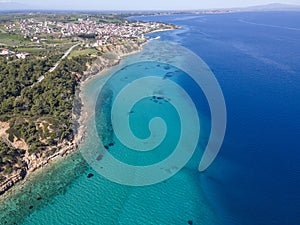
(90, 175)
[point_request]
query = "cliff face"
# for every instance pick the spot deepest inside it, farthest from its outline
(111, 56)
(33, 163)
(5, 186)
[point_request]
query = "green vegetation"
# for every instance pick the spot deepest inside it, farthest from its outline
(38, 113)
(31, 50)
(12, 39)
(51, 100)
(83, 52)
(38, 104)
(10, 159)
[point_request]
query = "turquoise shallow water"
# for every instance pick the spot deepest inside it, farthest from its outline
(255, 178)
(40, 188)
(73, 193)
(98, 201)
(139, 116)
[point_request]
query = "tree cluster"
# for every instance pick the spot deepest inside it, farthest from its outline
(40, 113)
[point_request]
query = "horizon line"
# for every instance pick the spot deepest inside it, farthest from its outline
(31, 8)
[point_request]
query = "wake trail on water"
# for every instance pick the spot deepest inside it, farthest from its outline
(268, 25)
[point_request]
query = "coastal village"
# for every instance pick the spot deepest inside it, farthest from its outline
(83, 30)
(53, 40)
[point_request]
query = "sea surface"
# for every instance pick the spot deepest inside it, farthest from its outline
(256, 59)
(255, 178)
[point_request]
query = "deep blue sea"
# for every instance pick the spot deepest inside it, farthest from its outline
(255, 178)
(256, 59)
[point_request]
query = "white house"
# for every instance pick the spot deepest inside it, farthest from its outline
(98, 43)
(6, 52)
(22, 55)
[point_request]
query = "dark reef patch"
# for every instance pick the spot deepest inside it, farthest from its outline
(90, 175)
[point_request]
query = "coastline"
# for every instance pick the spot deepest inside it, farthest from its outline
(22, 176)
(21, 194)
(84, 112)
(81, 119)
(32, 198)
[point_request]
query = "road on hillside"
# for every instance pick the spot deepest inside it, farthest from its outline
(41, 78)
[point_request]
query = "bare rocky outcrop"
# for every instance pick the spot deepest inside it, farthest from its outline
(34, 162)
(6, 185)
(111, 56)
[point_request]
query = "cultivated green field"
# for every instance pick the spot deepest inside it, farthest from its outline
(83, 52)
(13, 40)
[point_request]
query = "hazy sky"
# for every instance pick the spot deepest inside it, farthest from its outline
(145, 4)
